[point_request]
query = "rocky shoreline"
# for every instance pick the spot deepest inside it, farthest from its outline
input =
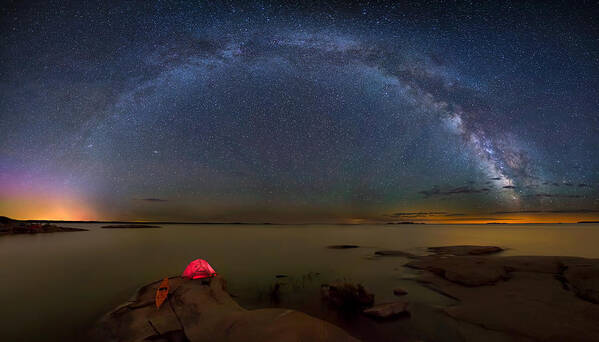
(521, 298)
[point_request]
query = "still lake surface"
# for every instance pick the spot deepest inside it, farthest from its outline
(55, 286)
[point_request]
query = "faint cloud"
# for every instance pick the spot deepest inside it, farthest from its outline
(418, 214)
(566, 211)
(436, 191)
(546, 195)
(481, 219)
(151, 199)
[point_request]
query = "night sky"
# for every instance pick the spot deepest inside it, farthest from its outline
(263, 112)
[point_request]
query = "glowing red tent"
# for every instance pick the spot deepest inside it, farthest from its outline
(198, 269)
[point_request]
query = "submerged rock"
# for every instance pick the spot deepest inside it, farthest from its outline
(197, 311)
(388, 310)
(343, 246)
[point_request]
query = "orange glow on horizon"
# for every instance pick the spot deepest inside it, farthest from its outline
(457, 216)
(70, 206)
(514, 218)
(47, 207)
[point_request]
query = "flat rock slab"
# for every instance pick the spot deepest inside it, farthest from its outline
(531, 297)
(195, 311)
(388, 310)
(467, 271)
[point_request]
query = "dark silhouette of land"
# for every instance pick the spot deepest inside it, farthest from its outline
(9, 226)
(129, 226)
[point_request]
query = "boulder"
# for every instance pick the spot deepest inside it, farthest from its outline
(400, 292)
(204, 311)
(388, 310)
(347, 296)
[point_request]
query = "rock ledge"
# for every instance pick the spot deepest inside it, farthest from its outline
(204, 311)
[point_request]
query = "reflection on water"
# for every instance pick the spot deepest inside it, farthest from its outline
(56, 285)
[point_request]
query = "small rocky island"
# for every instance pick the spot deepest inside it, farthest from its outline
(129, 226)
(11, 227)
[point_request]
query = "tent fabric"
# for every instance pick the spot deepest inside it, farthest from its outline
(198, 269)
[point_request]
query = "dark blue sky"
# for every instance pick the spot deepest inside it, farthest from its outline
(337, 112)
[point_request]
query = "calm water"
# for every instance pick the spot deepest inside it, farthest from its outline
(54, 286)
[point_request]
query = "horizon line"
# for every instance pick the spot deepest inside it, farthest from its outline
(297, 223)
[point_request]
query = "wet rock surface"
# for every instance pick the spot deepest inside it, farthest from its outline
(200, 311)
(467, 271)
(528, 297)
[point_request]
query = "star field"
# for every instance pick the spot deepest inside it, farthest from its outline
(336, 112)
